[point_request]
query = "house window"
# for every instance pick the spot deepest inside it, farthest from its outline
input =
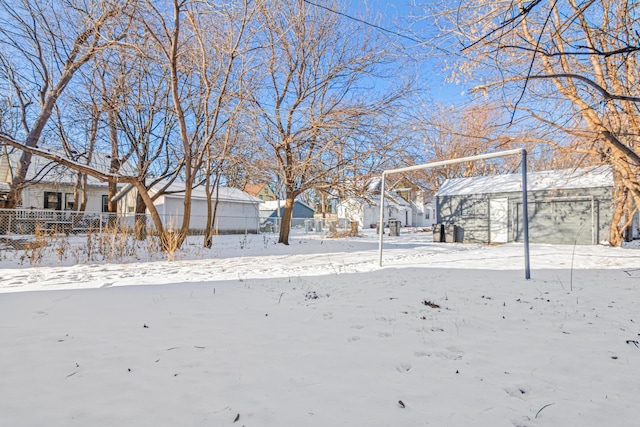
(105, 203)
(427, 215)
(69, 201)
(52, 200)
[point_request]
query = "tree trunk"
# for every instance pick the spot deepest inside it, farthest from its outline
(80, 193)
(140, 220)
(212, 211)
(285, 224)
(115, 165)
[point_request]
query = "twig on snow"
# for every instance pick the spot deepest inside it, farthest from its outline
(538, 413)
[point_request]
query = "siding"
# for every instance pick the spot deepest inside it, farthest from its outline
(230, 217)
(33, 196)
(567, 216)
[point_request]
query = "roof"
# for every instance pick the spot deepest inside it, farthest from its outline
(45, 170)
(253, 189)
(391, 200)
(225, 194)
(600, 176)
(272, 205)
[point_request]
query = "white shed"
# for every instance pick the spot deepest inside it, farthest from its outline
(237, 211)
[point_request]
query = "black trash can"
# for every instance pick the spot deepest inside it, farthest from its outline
(450, 233)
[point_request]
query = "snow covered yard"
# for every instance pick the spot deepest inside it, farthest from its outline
(316, 334)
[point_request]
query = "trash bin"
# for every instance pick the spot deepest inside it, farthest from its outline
(450, 233)
(378, 228)
(438, 233)
(308, 225)
(394, 227)
(318, 226)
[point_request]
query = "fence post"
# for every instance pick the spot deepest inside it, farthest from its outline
(9, 226)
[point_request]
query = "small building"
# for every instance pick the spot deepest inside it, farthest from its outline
(565, 206)
(272, 211)
(236, 213)
(366, 210)
(425, 214)
(404, 202)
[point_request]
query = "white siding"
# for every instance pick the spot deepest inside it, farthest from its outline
(33, 196)
(230, 216)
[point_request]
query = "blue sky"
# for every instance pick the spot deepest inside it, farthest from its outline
(398, 16)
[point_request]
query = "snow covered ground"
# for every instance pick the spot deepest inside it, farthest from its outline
(251, 333)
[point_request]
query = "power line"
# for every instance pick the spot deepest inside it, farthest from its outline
(367, 23)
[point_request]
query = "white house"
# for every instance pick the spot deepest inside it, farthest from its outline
(404, 201)
(425, 214)
(51, 186)
(236, 212)
(366, 210)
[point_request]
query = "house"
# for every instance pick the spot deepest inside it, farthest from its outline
(261, 191)
(52, 186)
(366, 209)
(236, 212)
(423, 210)
(272, 211)
(404, 201)
(427, 214)
(570, 206)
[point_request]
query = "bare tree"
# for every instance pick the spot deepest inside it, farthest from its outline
(42, 46)
(140, 121)
(573, 67)
(219, 47)
(181, 47)
(316, 96)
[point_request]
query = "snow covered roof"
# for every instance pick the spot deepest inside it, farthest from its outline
(176, 189)
(44, 170)
(272, 205)
(391, 200)
(600, 176)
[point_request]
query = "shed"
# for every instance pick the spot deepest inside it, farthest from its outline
(237, 211)
(565, 206)
(271, 211)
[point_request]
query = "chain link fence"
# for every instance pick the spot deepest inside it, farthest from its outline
(32, 237)
(22, 223)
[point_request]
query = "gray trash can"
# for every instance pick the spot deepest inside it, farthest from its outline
(394, 227)
(450, 233)
(308, 225)
(438, 233)
(318, 226)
